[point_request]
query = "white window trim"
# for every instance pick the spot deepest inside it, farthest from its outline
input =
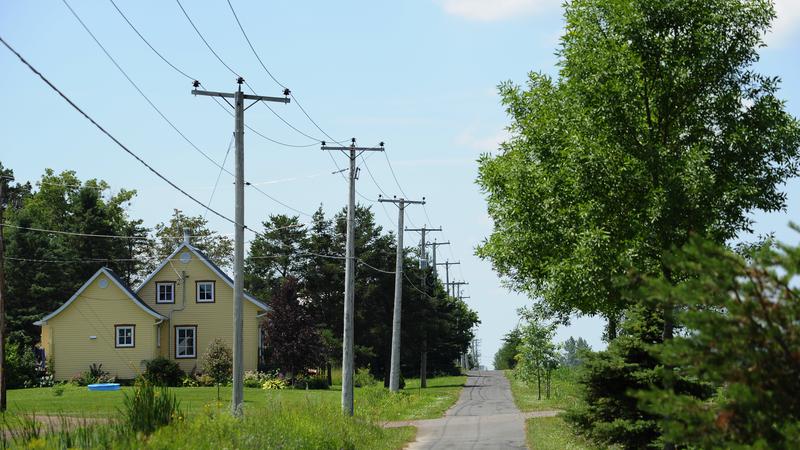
(213, 292)
(194, 342)
(158, 292)
(117, 329)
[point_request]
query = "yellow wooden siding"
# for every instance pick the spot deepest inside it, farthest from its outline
(46, 341)
(213, 320)
(94, 313)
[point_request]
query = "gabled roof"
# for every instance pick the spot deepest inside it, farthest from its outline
(208, 262)
(118, 282)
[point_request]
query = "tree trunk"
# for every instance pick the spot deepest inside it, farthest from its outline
(611, 328)
(539, 383)
(329, 374)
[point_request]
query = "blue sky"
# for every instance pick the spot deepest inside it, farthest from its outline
(420, 75)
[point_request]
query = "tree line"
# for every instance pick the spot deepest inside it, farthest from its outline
(628, 177)
(295, 268)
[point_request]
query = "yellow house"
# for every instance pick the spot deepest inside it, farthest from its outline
(176, 312)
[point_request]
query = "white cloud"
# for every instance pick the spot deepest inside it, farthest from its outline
(482, 143)
(787, 22)
(494, 10)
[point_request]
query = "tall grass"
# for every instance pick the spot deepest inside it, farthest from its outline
(149, 408)
(309, 425)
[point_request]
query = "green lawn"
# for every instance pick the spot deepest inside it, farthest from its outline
(552, 433)
(374, 402)
(273, 418)
(563, 392)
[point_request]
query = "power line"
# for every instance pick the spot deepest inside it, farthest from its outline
(139, 90)
(211, 49)
(192, 144)
(110, 136)
(177, 69)
(127, 150)
(191, 78)
(263, 66)
(216, 183)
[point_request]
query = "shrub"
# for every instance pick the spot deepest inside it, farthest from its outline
(95, 374)
(21, 369)
(275, 383)
(217, 361)
(161, 371)
(310, 382)
(58, 390)
(364, 378)
(149, 407)
(255, 379)
(204, 380)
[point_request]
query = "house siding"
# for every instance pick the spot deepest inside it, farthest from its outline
(213, 320)
(95, 312)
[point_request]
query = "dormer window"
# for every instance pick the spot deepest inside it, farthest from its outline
(205, 292)
(165, 292)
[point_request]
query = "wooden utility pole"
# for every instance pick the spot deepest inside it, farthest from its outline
(423, 264)
(2, 297)
(394, 372)
(237, 396)
(349, 275)
(447, 265)
(435, 244)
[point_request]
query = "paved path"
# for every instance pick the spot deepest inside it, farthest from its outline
(485, 417)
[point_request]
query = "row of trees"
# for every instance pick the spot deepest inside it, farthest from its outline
(656, 133)
(297, 269)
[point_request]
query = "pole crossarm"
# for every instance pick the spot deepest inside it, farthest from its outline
(424, 229)
(261, 98)
(436, 244)
(448, 263)
(401, 201)
(352, 147)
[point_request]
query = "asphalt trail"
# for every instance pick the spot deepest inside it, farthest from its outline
(485, 417)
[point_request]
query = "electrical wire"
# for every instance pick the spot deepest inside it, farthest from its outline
(191, 78)
(211, 49)
(192, 144)
(183, 73)
(216, 183)
(140, 160)
(263, 66)
(110, 136)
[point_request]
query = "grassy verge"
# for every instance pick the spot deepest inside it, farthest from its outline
(372, 402)
(552, 433)
(563, 392)
(314, 425)
(273, 418)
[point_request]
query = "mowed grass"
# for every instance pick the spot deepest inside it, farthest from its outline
(564, 392)
(374, 402)
(552, 433)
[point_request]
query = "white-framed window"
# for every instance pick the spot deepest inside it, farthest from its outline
(205, 292)
(165, 292)
(186, 341)
(125, 336)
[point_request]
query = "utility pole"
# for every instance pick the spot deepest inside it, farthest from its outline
(423, 264)
(447, 265)
(435, 244)
(457, 287)
(349, 275)
(394, 372)
(237, 397)
(3, 400)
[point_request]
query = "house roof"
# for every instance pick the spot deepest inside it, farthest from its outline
(208, 262)
(118, 282)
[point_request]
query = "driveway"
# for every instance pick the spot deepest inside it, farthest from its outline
(485, 417)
